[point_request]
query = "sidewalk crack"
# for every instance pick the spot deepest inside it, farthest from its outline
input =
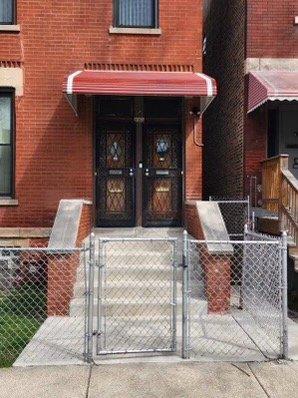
(259, 381)
(88, 381)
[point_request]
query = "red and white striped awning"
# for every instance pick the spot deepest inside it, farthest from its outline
(271, 86)
(140, 83)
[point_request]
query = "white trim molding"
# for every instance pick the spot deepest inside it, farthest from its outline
(10, 28)
(8, 202)
(12, 77)
(267, 64)
(135, 31)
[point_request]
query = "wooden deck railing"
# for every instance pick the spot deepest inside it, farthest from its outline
(271, 181)
(288, 210)
(280, 193)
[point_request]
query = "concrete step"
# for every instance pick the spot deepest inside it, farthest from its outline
(157, 307)
(118, 289)
(131, 274)
(128, 308)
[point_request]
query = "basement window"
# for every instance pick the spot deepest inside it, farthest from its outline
(7, 12)
(6, 142)
(136, 14)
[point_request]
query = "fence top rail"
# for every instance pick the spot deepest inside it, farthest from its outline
(263, 236)
(233, 242)
(229, 200)
(145, 239)
(43, 249)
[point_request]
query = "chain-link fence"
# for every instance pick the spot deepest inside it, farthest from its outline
(42, 306)
(136, 296)
(235, 299)
(236, 214)
(130, 296)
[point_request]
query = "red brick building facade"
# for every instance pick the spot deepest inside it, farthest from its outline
(54, 151)
(244, 40)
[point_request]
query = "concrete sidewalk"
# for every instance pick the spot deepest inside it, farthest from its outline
(160, 380)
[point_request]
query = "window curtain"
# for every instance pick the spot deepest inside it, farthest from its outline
(5, 145)
(136, 13)
(6, 11)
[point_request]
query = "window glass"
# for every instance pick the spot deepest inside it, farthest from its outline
(6, 11)
(136, 13)
(5, 144)
(5, 170)
(5, 119)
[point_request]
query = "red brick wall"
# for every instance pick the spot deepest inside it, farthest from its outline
(54, 149)
(193, 153)
(270, 29)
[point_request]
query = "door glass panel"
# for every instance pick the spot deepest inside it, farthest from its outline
(115, 196)
(115, 150)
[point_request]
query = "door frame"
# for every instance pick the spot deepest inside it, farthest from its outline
(138, 103)
(179, 177)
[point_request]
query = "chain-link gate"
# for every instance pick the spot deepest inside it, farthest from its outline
(235, 305)
(136, 296)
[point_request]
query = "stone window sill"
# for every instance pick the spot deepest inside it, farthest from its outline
(10, 28)
(135, 31)
(8, 202)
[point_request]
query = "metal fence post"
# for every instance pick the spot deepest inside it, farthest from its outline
(284, 272)
(90, 299)
(185, 307)
(174, 297)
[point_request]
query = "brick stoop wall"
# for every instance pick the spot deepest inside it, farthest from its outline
(62, 268)
(217, 267)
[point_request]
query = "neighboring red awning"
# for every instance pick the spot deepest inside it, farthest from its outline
(140, 83)
(271, 86)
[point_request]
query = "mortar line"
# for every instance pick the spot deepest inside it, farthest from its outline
(89, 381)
(259, 381)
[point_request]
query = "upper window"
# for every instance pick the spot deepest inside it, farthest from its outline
(136, 13)
(7, 12)
(6, 141)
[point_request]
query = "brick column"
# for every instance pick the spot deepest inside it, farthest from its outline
(217, 267)
(61, 279)
(218, 282)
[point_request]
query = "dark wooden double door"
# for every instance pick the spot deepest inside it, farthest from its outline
(139, 171)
